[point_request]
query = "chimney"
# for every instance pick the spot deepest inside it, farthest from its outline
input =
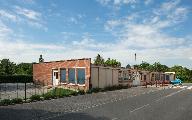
(41, 60)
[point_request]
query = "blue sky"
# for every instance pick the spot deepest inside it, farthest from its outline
(157, 30)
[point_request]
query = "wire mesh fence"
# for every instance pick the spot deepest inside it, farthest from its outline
(22, 90)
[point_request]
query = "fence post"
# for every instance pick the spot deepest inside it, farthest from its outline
(35, 86)
(43, 86)
(25, 93)
(156, 83)
(0, 90)
(17, 88)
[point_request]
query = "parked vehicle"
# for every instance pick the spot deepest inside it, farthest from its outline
(176, 82)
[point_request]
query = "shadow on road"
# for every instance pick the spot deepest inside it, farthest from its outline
(32, 114)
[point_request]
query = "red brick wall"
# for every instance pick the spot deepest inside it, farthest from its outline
(42, 72)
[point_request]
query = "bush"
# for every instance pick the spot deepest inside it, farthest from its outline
(89, 92)
(48, 96)
(6, 102)
(110, 88)
(16, 79)
(96, 90)
(81, 92)
(59, 92)
(17, 100)
(35, 98)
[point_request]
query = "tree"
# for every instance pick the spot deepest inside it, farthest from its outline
(109, 62)
(182, 73)
(159, 67)
(144, 66)
(7, 67)
(99, 60)
(24, 69)
(112, 63)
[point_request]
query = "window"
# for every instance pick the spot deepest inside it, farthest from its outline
(56, 75)
(145, 77)
(167, 77)
(125, 75)
(81, 76)
(63, 75)
(71, 75)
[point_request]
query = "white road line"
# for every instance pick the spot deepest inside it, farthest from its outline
(169, 95)
(139, 108)
(114, 119)
(189, 88)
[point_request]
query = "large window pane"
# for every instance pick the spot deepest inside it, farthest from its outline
(63, 75)
(80, 76)
(167, 77)
(71, 75)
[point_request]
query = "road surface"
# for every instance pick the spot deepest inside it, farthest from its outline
(168, 104)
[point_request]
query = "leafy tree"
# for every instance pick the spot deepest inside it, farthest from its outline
(159, 67)
(109, 62)
(7, 67)
(112, 63)
(154, 67)
(99, 60)
(24, 69)
(182, 73)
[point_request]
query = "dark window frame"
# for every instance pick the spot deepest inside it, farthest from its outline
(61, 80)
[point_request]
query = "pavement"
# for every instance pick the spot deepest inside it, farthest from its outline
(137, 103)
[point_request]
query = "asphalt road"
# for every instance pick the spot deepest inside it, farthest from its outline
(169, 104)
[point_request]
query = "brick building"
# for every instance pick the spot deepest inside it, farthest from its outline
(81, 74)
(69, 73)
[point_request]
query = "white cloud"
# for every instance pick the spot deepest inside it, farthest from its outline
(116, 2)
(144, 38)
(104, 2)
(5, 14)
(23, 15)
(119, 2)
(148, 38)
(147, 2)
(4, 30)
(30, 14)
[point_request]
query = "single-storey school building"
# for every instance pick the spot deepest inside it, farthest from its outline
(81, 74)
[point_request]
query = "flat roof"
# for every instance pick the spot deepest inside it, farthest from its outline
(64, 60)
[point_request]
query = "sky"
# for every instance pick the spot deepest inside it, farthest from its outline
(156, 30)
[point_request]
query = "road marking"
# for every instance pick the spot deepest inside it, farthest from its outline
(169, 95)
(139, 108)
(189, 88)
(114, 119)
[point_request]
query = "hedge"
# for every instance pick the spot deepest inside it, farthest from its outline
(16, 78)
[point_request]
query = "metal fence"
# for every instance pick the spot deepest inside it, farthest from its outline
(21, 90)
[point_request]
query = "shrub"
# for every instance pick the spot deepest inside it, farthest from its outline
(110, 88)
(81, 92)
(96, 90)
(16, 79)
(74, 93)
(17, 100)
(48, 96)
(59, 92)
(89, 92)
(35, 98)
(6, 102)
